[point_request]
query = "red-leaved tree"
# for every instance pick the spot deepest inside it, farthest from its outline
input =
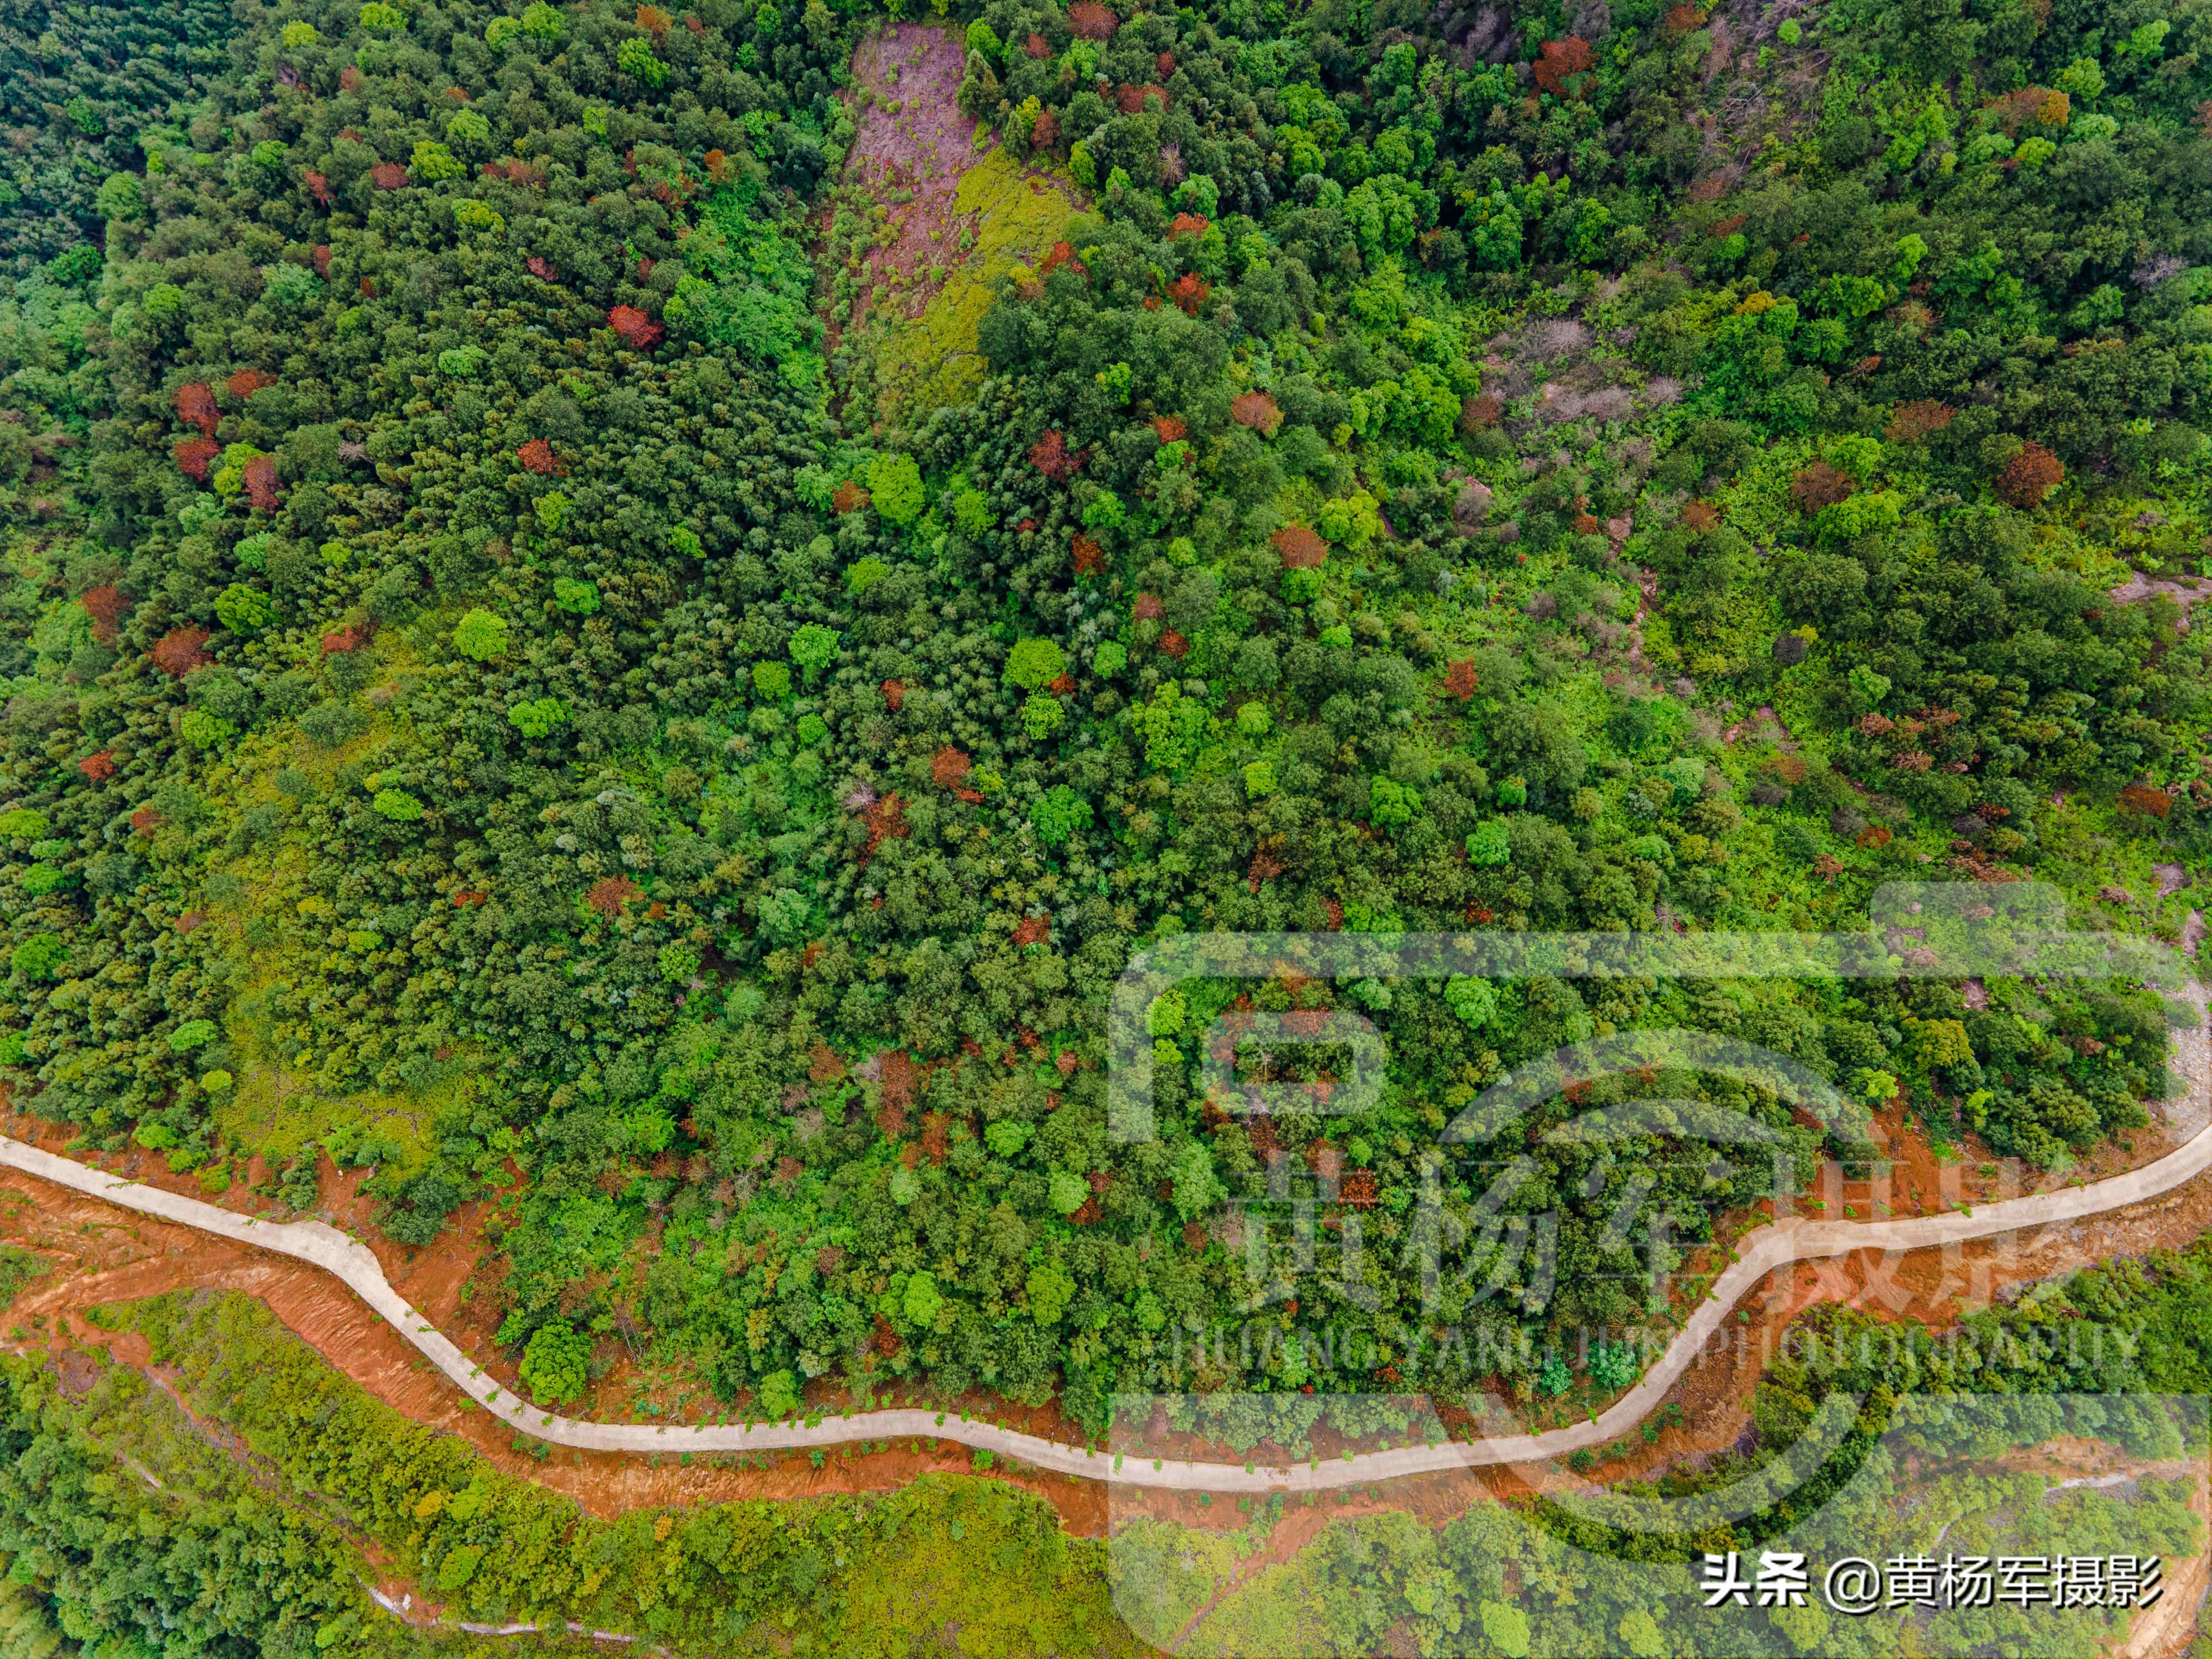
(195, 455)
(179, 651)
(1257, 410)
(636, 331)
(1051, 456)
(610, 894)
(1300, 547)
(1912, 422)
(195, 407)
(2029, 477)
(1562, 62)
(260, 474)
(105, 607)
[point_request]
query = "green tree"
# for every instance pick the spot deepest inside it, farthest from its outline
(481, 636)
(895, 485)
(814, 647)
(556, 1363)
(1034, 664)
(1058, 814)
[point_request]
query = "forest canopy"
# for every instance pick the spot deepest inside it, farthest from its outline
(505, 689)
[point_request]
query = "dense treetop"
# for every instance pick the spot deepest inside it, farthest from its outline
(496, 684)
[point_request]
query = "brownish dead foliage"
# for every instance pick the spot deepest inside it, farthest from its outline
(2138, 797)
(633, 327)
(260, 477)
(948, 769)
(1460, 679)
(196, 455)
(1475, 414)
(2040, 105)
(2029, 477)
(538, 455)
(1051, 456)
(179, 651)
(609, 894)
(901, 1077)
(523, 176)
(195, 407)
(823, 1065)
(107, 608)
(1820, 485)
(248, 381)
(1300, 547)
(887, 820)
(1257, 410)
(849, 498)
(1912, 422)
(1091, 20)
(1561, 63)
(1267, 863)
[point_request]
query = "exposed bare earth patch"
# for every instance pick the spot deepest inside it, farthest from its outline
(929, 215)
(2186, 592)
(910, 146)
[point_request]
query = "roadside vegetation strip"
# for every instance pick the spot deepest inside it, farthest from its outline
(1758, 1253)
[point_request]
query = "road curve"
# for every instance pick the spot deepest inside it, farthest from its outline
(1758, 1253)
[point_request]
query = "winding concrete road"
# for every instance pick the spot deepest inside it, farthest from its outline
(1758, 1253)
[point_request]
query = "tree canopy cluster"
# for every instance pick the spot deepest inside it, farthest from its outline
(486, 697)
